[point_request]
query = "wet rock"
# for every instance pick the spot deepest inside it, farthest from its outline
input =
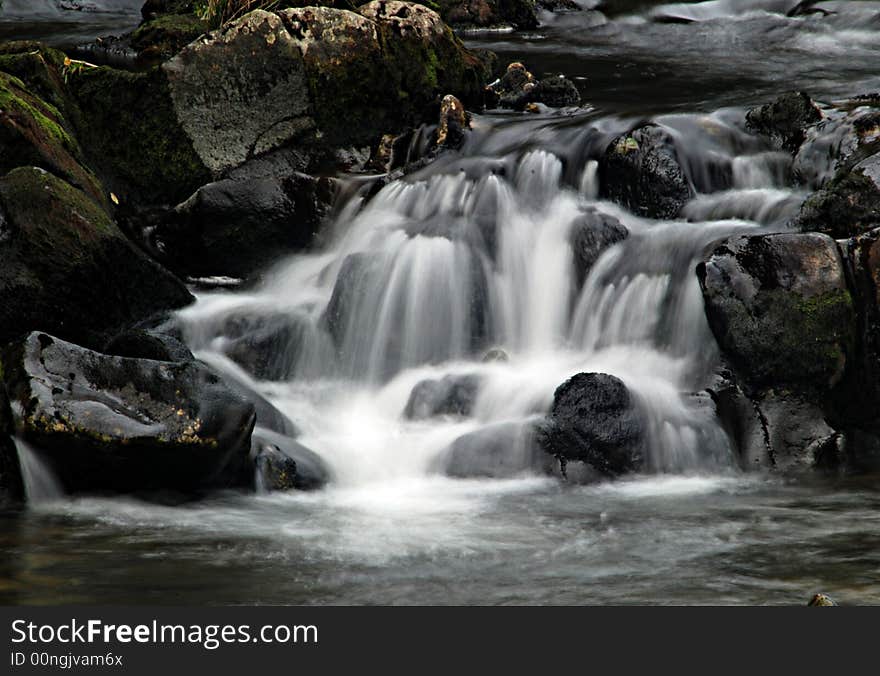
(237, 226)
(283, 464)
(269, 418)
(496, 354)
(274, 470)
(785, 120)
(849, 204)
(61, 267)
(489, 13)
(518, 89)
(821, 599)
(743, 422)
(265, 345)
(780, 309)
(592, 233)
(454, 123)
(450, 395)
(595, 420)
(497, 451)
(34, 133)
(641, 170)
(142, 344)
(119, 425)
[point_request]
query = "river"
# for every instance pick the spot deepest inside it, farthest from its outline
(474, 252)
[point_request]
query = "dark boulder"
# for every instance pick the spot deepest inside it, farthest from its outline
(281, 464)
(234, 227)
(785, 120)
(517, 89)
(848, 204)
(776, 429)
(450, 395)
(780, 309)
(595, 420)
(641, 170)
(113, 424)
(497, 451)
(591, 234)
(67, 268)
(556, 92)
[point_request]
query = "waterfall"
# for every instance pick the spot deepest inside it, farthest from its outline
(480, 251)
(40, 484)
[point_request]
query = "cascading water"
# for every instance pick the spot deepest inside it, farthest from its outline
(478, 251)
(40, 484)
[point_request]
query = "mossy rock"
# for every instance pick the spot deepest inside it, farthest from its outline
(165, 36)
(848, 205)
(67, 268)
(347, 74)
(780, 310)
(132, 135)
(42, 70)
(34, 133)
(426, 59)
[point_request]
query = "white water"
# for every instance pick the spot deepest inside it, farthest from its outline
(40, 484)
(439, 268)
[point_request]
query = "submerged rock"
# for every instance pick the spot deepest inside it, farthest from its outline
(497, 451)
(595, 420)
(641, 170)
(67, 268)
(282, 464)
(120, 425)
(785, 120)
(592, 233)
(450, 395)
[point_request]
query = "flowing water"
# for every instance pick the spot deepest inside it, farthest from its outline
(477, 252)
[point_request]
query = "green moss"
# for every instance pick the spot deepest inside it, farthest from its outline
(133, 137)
(165, 36)
(34, 133)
